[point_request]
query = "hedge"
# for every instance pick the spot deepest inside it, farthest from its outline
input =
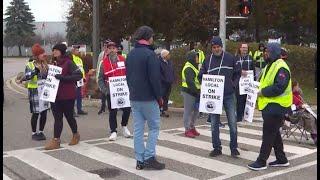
(300, 60)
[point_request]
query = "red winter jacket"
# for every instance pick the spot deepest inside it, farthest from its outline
(113, 69)
(297, 99)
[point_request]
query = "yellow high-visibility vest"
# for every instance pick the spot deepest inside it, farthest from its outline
(285, 99)
(201, 56)
(196, 71)
(32, 84)
(260, 60)
(78, 61)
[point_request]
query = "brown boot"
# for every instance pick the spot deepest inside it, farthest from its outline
(53, 144)
(75, 139)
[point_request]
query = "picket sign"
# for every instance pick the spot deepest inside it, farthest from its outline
(119, 92)
(43, 105)
(51, 84)
(80, 83)
(252, 94)
(244, 82)
(211, 96)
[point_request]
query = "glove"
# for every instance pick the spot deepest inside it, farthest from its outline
(37, 70)
(160, 102)
(58, 76)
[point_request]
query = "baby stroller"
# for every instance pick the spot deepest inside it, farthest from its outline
(302, 120)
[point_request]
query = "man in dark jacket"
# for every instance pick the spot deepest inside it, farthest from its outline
(224, 64)
(143, 78)
(274, 100)
(167, 78)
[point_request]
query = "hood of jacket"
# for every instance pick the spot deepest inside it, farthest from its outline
(274, 51)
(191, 57)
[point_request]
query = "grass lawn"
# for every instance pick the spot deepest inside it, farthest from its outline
(309, 94)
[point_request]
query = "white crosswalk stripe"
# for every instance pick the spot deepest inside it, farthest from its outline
(211, 164)
(5, 177)
(56, 168)
(59, 169)
(249, 155)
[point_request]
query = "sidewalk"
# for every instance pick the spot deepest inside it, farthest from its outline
(87, 102)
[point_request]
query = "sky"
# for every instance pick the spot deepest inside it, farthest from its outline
(45, 10)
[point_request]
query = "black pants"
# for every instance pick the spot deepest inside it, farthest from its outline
(103, 102)
(271, 138)
(113, 116)
(60, 108)
(241, 104)
(166, 90)
(34, 120)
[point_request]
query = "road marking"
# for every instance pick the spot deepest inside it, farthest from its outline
(277, 173)
(123, 162)
(52, 166)
(249, 155)
(206, 163)
(5, 177)
(11, 88)
(257, 143)
(13, 80)
(37, 158)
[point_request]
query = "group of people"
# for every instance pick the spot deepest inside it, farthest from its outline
(36, 71)
(150, 76)
(274, 96)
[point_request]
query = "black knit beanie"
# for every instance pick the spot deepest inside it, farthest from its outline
(61, 47)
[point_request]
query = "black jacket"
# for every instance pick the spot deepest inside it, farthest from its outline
(167, 72)
(245, 63)
(143, 73)
(229, 69)
(190, 75)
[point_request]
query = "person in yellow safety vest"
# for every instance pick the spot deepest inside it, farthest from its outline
(190, 91)
(36, 72)
(259, 60)
(78, 61)
(120, 49)
(200, 53)
(102, 55)
(274, 100)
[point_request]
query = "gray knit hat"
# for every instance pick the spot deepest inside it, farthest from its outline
(143, 32)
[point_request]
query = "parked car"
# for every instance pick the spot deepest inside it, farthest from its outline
(234, 37)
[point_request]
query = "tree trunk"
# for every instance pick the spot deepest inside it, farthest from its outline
(20, 51)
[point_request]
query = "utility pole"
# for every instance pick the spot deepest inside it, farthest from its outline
(96, 32)
(222, 23)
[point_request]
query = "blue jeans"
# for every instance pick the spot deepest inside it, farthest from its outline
(229, 106)
(79, 99)
(143, 111)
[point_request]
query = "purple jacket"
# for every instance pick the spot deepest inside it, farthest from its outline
(71, 74)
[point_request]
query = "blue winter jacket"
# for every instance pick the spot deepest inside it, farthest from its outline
(143, 74)
(229, 69)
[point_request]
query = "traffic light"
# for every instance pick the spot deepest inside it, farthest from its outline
(245, 7)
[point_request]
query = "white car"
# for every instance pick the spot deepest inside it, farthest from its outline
(234, 37)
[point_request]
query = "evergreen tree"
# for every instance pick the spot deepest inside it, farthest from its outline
(19, 27)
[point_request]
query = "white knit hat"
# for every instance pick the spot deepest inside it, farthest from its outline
(164, 53)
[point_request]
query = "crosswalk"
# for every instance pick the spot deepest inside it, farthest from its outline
(185, 158)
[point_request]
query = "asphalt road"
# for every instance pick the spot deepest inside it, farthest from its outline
(97, 158)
